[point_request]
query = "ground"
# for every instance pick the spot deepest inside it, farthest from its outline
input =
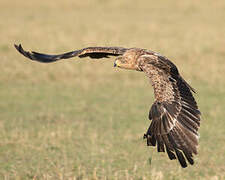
(84, 119)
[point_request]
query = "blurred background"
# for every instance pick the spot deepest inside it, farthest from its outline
(84, 119)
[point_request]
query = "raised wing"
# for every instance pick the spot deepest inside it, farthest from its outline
(92, 52)
(175, 115)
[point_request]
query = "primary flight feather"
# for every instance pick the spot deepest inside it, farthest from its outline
(175, 117)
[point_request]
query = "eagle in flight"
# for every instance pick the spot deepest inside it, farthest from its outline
(175, 117)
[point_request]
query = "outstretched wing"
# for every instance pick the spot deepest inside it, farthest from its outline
(92, 52)
(175, 115)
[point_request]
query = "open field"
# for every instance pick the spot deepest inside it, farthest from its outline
(83, 119)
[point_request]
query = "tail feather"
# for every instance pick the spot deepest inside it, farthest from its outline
(174, 131)
(189, 119)
(169, 147)
(179, 154)
(181, 158)
(160, 144)
(189, 157)
(188, 124)
(170, 153)
(187, 146)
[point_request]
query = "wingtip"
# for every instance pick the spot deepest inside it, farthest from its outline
(44, 58)
(18, 47)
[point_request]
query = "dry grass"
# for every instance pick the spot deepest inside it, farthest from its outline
(85, 119)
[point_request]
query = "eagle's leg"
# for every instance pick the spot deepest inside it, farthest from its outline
(147, 133)
(151, 141)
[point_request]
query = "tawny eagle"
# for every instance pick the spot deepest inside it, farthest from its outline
(175, 117)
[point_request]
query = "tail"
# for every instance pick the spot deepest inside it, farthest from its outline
(174, 131)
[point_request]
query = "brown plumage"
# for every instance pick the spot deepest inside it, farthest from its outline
(175, 118)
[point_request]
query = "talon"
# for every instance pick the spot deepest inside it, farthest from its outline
(148, 142)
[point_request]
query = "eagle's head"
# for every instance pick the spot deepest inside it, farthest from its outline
(129, 60)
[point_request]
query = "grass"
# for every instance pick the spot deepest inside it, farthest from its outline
(83, 119)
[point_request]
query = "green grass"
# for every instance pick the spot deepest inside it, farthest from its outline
(83, 119)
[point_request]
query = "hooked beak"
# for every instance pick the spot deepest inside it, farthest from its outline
(117, 62)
